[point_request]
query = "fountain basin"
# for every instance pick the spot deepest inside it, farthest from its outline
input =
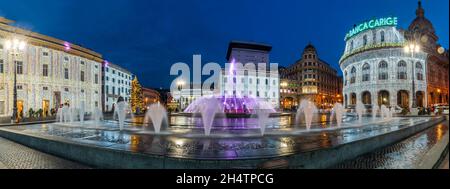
(106, 147)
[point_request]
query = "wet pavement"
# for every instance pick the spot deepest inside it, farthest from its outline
(406, 154)
(17, 156)
(229, 143)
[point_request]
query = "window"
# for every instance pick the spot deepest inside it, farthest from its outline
(2, 107)
(106, 89)
(82, 75)
(366, 72)
(113, 90)
(382, 36)
(82, 90)
(82, 62)
(383, 70)
(351, 45)
(1, 66)
(96, 79)
(353, 75)
(19, 67)
(45, 70)
(19, 87)
(66, 73)
(66, 58)
(401, 72)
(419, 71)
(66, 89)
(364, 40)
(45, 88)
(45, 54)
(345, 78)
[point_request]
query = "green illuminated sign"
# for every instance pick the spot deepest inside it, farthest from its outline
(374, 23)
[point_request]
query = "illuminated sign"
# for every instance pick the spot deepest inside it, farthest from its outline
(374, 23)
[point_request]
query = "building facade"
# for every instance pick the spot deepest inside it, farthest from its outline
(116, 82)
(377, 69)
(260, 82)
(310, 78)
(422, 32)
(50, 72)
(150, 96)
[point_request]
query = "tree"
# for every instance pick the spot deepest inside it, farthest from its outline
(137, 102)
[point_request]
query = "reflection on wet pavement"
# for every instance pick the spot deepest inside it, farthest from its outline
(406, 154)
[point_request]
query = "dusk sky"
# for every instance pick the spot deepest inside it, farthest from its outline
(147, 37)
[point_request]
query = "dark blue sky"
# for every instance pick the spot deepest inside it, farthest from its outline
(147, 37)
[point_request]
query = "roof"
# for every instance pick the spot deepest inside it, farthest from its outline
(247, 45)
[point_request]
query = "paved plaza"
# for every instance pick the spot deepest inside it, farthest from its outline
(17, 156)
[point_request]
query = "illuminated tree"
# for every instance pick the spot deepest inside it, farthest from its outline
(137, 102)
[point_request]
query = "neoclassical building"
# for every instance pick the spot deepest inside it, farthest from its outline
(49, 72)
(377, 70)
(310, 78)
(422, 32)
(394, 67)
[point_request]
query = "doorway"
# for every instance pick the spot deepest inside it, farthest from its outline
(45, 108)
(20, 109)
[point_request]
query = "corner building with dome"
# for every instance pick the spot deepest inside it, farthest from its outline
(384, 65)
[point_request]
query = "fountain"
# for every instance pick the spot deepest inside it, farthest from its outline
(308, 109)
(374, 111)
(82, 112)
(121, 110)
(65, 113)
(59, 115)
(262, 115)
(338, 111)
(384, 112)
(360, 109)
(97, 115)
(157, 114)
(208, 111)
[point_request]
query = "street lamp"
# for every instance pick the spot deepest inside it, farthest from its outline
(15, 46)
(411, 49)
(180, 84)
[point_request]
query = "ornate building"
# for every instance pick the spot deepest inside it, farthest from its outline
(49, 72)
(310, 78)
(421, 31)
(394, 67)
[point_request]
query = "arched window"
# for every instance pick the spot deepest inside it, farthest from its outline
(383, 70)
(353, 75)
(401, 70)
(419, 71)
(382, 36)
(351, 45)
(345, 78)
(366, 72)
(364, 40)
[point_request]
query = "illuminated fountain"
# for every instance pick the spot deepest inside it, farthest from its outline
(338, 111)
(360, 109)
(157, 114)
(308, 109)
(121, 110)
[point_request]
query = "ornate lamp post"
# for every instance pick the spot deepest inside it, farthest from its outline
(15, 46)
(411, 49)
